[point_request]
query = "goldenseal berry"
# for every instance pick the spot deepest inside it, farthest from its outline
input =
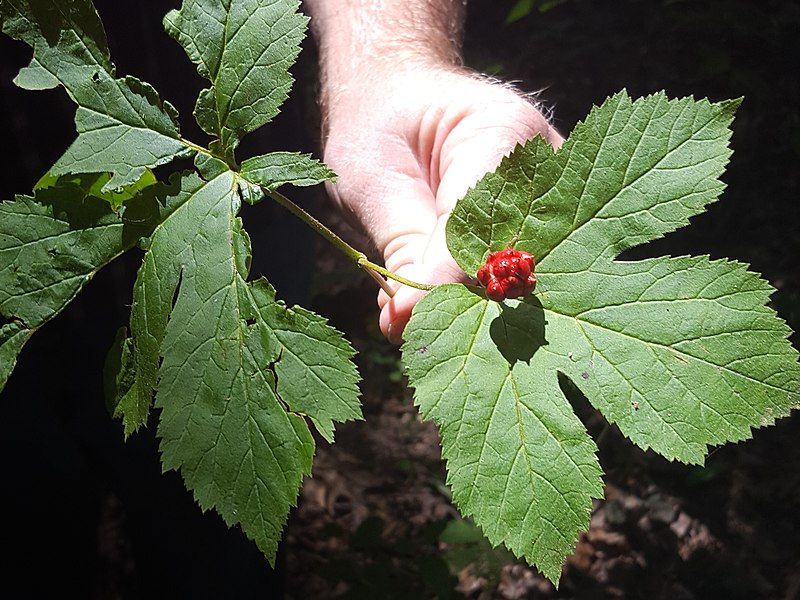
(508, 274)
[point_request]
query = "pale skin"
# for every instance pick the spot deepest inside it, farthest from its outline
(409, 130)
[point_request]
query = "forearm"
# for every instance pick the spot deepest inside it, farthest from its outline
(358, 37)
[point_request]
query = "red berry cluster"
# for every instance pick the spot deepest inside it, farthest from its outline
(508, 274)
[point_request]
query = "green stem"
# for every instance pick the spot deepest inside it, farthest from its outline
(203, 150)
(357, 257)
(197, 147)
(386, 272)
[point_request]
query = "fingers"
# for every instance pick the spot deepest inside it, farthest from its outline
(403, 165)
(396, 311)
(474, 144)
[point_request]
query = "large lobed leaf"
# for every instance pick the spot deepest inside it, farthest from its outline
(519, 461)
(245, 48)
(123, 126)
(238, 369)
(680, 353)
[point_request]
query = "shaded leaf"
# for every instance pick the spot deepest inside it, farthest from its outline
(12, 338)
(52, 244)
(97, 184)
(118, 377)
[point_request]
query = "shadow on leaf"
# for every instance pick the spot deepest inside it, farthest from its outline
(518, 331)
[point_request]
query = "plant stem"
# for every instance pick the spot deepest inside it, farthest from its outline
(384, 271)
(357, 257)
(230, 161)
(197, 147)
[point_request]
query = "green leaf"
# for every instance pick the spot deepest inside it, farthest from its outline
(630, 173)
(680, 353)
(281, 168)
(233, 431)
(519, 11)
(12, 338)
(116, 198)
(245, 48)
(518, 459)
(52, 244)
(467, 547)
(118, 377)
(123, 126)
(316, 375)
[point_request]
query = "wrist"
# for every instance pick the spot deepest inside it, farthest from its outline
(362, 43)
(381, 87)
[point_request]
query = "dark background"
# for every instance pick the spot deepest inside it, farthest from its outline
(88, 516)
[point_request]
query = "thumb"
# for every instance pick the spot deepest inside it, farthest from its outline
(430, 263)
(478, 143)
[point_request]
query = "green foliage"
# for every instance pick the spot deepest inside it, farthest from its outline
(519, 460)
(280, 168)
(467, 547)
(222, 423)
(52, 243)
(234, 432)
(680, 353)
(523, 8)
(237, 375)
(123, 126)
(315, 375)
(245, 49)
(12, 338)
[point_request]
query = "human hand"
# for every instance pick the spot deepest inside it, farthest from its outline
(406, 144)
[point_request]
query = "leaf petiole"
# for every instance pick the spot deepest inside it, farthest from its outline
(197, 147)
(359, 258)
